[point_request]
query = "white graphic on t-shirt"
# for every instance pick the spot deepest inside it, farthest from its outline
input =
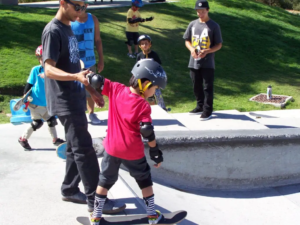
(73, 49)
(202, 42)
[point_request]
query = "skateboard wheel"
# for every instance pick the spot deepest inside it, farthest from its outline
(25, 110)
(30, 99)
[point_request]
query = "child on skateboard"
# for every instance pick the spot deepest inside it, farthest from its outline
(129, 118)
(145, 44)
(132, 29)
(38, 105)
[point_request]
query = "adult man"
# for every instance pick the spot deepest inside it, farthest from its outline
(203, 38)
(65, 95)
(87, 33)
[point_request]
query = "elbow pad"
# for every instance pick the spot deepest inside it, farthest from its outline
(96, 81)
(147, 131)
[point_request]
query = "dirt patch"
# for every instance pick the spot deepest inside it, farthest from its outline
(277, 100)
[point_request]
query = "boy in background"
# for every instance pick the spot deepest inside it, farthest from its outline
(132, 29)
(37, 107)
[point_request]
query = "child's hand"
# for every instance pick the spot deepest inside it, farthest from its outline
(42, 75)
(157, 165)
(150, 18)
(203, 53)
(194, 53)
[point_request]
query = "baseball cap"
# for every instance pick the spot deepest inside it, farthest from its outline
(201, 4)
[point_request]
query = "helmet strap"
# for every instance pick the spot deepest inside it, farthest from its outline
(142, 90)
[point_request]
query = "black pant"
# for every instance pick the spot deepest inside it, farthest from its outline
(203, 82)
(82, 163)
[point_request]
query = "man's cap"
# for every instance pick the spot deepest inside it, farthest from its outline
(201, 4)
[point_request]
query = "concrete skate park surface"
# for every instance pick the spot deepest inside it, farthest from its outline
(231, 151)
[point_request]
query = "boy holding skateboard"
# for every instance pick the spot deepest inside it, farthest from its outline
(37, 107)
(145, 43)
(129, 118)
(132, 29)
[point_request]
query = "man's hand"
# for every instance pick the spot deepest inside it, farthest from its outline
(100, 66)
(194, 53)
(203, 53)
(81, 77)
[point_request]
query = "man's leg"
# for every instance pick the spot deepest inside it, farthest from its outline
(82, 163)
(208, 89)
(197, 80)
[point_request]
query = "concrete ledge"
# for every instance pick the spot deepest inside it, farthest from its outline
(222, 160)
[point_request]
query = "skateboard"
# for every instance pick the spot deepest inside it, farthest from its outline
(167, 218)
(97, 144)
(158, 99)
(26, 99)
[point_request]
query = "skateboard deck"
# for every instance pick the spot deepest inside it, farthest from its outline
(97, 144)
(168, 218)
(26, 99)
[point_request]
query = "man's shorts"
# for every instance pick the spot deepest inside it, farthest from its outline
(38, 112)
(132, 37)
(93, 68)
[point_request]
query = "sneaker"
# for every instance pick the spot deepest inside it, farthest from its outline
(77, 198)
(24, 144)
(131, 55)
(205, 116)
(58, 142)
(155, 218)
(110, 207)
(196, 111)
(135, 54)
(94, 220)
(94, 119)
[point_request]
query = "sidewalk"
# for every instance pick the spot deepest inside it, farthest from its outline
(30, 180)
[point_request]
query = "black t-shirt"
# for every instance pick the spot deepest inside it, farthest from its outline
(152, 55)
(60, 44)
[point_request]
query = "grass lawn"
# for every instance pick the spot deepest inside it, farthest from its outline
(259, 49)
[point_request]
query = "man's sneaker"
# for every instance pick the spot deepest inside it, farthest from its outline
(135, 54)
(110, 207)
(155, 218)
(77, 198)
(94, 119)
(24, 144)
(205, 116)
(94, 220)
(196, 111)
(58, 142)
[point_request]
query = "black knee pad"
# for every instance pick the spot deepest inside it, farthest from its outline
(52, 121)
(145, 183)
(36, 124)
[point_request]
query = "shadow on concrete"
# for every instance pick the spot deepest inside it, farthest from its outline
(278, 126)
(261, 115)
(245, 194)
(167, 122)
(42, 149)
(232, 117)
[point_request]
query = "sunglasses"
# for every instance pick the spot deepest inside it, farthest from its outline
(76, 6)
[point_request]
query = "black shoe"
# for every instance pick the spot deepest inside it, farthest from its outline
(205, 116)
(196, 111)
(110, 207)
(24, 144)
(77, 198)
(58, 142)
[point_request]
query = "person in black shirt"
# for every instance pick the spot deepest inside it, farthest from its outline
(145, 43)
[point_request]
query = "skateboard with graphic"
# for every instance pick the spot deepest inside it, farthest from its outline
(167, 218)
(158, 99)
(97, 144)
(26, 99)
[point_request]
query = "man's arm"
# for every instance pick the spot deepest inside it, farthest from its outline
(204, 52)
(189, 46)
(98, 43)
